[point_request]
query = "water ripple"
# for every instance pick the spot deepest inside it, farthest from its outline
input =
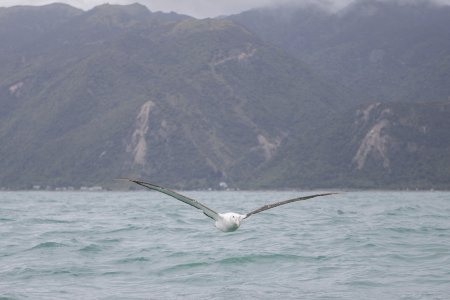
(48, 245)
(138, 245)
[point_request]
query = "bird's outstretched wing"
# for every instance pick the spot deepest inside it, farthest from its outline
(206, 210)
(269, 206)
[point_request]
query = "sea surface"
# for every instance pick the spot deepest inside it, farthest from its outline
(145, 245)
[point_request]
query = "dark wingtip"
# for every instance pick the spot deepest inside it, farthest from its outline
(128, 179)
(143, 183)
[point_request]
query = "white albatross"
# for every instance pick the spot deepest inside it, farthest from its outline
(226, 222)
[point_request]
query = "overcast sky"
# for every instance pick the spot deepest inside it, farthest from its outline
(196, 8)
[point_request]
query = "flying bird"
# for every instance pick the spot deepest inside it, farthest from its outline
(226, 222)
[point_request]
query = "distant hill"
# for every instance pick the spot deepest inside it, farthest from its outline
(90, 96)
(383, 50)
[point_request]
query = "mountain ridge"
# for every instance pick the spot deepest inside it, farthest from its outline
(190, 102)
(122, 91)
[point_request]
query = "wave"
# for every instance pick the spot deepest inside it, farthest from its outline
(402, 229)
(6, 220)
(402, 210)
(110, 240)
(133, 260)
(420, 230)
(51, 221)
(245, 260)
(7, 298)
(184, 266)
(92, 248)
(128, 228)
(263, 258)
(48, 245)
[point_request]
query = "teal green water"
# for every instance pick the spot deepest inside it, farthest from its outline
(145, 245)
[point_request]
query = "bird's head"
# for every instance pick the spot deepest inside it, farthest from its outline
(236, 218)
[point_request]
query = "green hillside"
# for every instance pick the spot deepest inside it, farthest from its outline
(90, 96)
(375, 146)
(120, 91)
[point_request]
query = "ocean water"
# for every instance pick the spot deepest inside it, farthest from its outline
(145, 245)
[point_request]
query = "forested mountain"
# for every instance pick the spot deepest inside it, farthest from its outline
(383, 50)
(120, 91)
(90, 96)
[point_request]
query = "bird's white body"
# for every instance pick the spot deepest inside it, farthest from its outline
(228, 222)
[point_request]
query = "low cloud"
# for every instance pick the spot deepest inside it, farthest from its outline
(204, 8)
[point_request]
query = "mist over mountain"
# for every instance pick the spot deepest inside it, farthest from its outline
(383, 50)
(211, 9)
(265, 99)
